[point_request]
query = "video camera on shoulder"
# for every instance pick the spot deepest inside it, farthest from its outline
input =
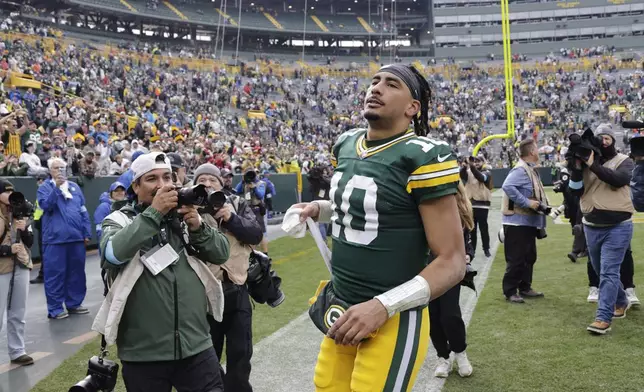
(581, 146)
(636, 143)
(250, 176)
(20, 207)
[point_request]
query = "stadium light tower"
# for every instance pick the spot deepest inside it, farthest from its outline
(306, 6)
(238, 32)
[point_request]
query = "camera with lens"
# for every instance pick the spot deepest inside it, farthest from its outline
(263, 282)
(250, 176)
(544, 209)
(20, 207)
(101, 376)
(561, 185)
(636, 143)
(198, 195)
(581, 146)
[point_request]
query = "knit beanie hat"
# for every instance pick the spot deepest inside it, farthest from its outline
(207, 168)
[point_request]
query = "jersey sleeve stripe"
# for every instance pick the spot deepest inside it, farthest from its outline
(432, 182)
(433, 175)
(434, 167)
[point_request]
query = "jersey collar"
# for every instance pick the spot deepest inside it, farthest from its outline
(364, 152)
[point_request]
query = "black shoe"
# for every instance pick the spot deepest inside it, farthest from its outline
(515, 299)
(573, 256)
(487, 253)
(23, 360)
(78, 310)
(37, 280)
(531, 294)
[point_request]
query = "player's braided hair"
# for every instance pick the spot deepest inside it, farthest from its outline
(421, 120)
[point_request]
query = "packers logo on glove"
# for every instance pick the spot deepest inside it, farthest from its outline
(332, 315)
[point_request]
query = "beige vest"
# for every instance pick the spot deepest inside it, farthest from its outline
(237, 265)
(6, 263)
(538, 193)
(600, 195)
(475, 189)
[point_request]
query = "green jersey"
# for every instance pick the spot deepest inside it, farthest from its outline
(378, 235)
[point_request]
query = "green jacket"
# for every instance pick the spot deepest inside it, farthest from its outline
(165, 315)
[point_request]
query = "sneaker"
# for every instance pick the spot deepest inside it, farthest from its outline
(487, 253)
(443, 368)
(593, 295)
(573, 257)
(23, 360)
(464, 365)
(60, 316)
(78, 310)
(598, 327)
(632, 298)
(515, 299)
(620, 311)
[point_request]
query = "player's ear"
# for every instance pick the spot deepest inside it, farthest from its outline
(413, 109)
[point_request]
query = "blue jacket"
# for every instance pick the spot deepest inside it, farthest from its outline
(518, 187)
(126, 178)
(270, 187)
(63, 220)
(260, 189)
(104, 208)
(637, 186)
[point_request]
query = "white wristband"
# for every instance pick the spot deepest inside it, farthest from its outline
(325, 208)
(412, 294)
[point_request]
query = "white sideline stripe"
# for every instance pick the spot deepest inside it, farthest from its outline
(10, 366)
(280, 332)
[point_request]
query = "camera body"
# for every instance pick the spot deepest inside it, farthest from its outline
(20, 207)
(582, 145)
(102, 375)
(198, 195)
(250, 176)
(636, 143)
(561, 185)
(263, 282)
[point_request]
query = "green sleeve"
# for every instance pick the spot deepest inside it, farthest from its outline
(120, 244)
(211, 245)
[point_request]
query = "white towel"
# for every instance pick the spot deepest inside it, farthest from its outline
(292, 226)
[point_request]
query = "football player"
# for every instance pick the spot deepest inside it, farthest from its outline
(392, 199)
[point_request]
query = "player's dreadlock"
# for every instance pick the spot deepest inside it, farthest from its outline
(421, 120)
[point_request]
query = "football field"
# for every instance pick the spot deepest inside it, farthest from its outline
(539, 346)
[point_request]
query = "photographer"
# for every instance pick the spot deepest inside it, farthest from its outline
(478, 183)
(239, 224)
(523, 198)
(155, 310)
(16, 238)
(179, 172)
(602, 176)
(253, 190)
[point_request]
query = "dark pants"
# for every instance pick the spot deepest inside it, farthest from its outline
(579, 239)
(199, 373)
(447, 329)
(480, 221)
(520, 255)
(626, 272)
(236, 330)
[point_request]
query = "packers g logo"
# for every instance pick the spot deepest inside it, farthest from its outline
(332, 315)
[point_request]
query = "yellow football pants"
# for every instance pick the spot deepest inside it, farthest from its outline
(388, 362)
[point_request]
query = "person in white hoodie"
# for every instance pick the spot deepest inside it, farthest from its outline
(30, 158)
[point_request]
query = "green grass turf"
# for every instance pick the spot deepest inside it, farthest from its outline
(299, 264)
(543, 345)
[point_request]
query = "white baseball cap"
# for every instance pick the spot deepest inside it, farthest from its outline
(148, 162)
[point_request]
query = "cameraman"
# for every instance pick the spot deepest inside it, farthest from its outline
(603, 183)
(253, 190)
(478, 183)
(158, 320)
(523, 197)
(239, 224)
(15, 263)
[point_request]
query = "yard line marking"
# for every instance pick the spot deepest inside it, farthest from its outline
(10, 366)
(82, 338)
(295, 255)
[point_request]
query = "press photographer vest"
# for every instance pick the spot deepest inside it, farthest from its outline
(600, 195)
(237, 265)
(254, 201)
(6, 263)
(477, 190)
(538, 193)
